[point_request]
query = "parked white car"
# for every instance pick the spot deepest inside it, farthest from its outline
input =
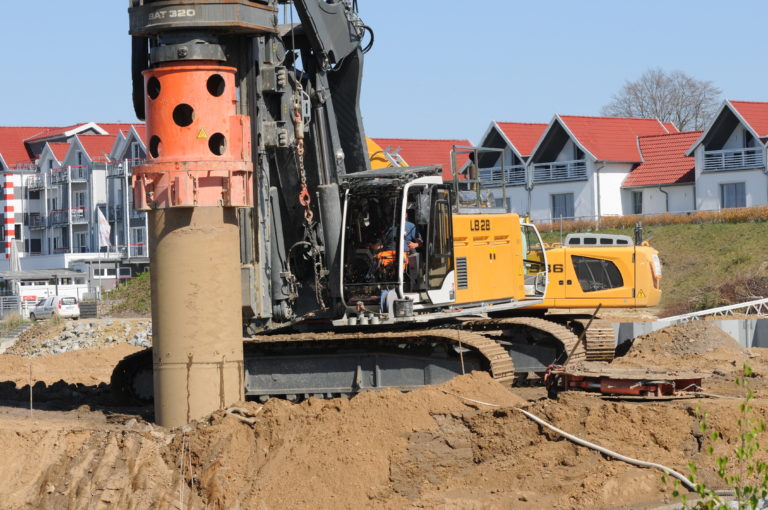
(62, 306)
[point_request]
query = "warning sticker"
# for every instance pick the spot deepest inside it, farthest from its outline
(640, 294)
(202, 133)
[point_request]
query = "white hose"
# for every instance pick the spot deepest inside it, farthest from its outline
(605, 451)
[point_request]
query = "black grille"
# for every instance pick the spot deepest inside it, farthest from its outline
(462, 281)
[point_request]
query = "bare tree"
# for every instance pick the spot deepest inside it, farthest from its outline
(670, 97)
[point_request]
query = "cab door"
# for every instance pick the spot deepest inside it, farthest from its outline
(440, 277)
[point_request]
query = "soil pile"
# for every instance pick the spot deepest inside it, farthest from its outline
(437, 447)
(699, 344)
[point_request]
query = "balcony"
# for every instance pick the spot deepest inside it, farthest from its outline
(560, 171)
(78, 173)
(76, 215)
(733, 159)
(36, 221)
(59, 175)
(35, 182)
(492, 177)
(69, 174)
(120, 169)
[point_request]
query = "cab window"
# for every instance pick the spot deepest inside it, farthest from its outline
(596, 274)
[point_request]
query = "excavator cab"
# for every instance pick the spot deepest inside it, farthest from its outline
(397, 241)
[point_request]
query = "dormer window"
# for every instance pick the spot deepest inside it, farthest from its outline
(79, 158)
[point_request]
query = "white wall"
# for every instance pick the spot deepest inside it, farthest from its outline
(708, 187)
(611, 176)
(541, 201)
(681, 199)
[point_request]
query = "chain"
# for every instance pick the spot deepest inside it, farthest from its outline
(305, 200)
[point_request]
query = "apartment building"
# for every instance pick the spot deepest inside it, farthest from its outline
(56, 186)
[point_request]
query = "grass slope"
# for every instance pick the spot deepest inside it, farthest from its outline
(707, 265)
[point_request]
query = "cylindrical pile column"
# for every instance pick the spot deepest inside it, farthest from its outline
(198, 173)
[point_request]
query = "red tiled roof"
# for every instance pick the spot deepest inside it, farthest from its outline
(113, 128)
(426, 152)
(59, 149)
(524, 136)
(51, 131)
(612, 138)
(664, 160)
(755, 114)
(12, 146)
(97, 146)
(671, 127)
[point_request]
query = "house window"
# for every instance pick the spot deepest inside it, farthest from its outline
(562, 206)
(79, 199)
(637, 202)
(733, 194)
(81, 238)
(79, 158)
(17, 231)
(135, 153)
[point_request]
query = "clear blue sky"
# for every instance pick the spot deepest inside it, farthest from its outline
(438, 69)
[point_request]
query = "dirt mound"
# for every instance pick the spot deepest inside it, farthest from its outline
(58, 336)
(425, 449)
(699, 344)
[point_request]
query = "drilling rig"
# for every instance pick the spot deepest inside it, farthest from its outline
(281, 264)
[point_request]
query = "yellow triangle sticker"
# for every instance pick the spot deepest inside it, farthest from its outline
(202, 134)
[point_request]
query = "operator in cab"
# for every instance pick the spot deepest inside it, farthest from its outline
(412, 240)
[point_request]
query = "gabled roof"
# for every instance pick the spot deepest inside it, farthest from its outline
(12, 148)
(664, 160)
(59, 150)
(418, 152)
(97, 146)
(522, 136)
(755, 114)
(611, 138)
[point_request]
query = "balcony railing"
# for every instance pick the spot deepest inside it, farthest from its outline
(36, 221)
(64, 216)
(59, 175)
(35, 182)
(62, 175)
(120, 169)
(78, 173)
(733, 159)
(513, 176)
(560, 171)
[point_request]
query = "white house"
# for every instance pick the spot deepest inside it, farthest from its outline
(578, 166)
(730, 157)
(517, 141)
(664, 181)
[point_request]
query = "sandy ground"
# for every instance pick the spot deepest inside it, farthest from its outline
(430, 448)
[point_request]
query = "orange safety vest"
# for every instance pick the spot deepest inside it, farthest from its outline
(387, 257)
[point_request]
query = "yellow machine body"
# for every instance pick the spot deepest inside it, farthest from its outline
(487, 257)
(613, 276)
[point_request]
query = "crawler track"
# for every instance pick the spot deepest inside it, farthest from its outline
(534, 329)
(298, 365)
